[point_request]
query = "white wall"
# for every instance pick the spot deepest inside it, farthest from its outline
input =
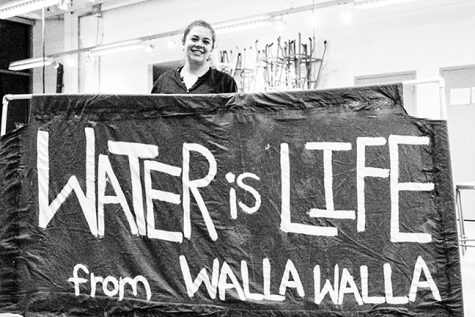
(421, 36)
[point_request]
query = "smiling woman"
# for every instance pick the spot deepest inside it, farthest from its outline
(196, 76)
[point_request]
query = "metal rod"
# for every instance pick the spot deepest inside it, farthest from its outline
(6, 99)
(438, 80)
(431, 80)
(43, 42)
(441, 82)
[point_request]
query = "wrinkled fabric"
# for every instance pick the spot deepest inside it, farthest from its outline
(277, 154)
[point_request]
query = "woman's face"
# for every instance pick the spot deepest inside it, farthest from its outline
(198, 44)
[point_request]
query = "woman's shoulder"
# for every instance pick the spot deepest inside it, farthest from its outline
(220, 74)
(225, 81)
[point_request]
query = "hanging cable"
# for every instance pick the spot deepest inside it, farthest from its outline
(99, 40)
(43, 43)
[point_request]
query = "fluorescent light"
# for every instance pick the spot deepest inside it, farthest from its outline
(242, 24)
(241, 21)
(377, 3)
(15, 8)
(31, 63)
(117, 47)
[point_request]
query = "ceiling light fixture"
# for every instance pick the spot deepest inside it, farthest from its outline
(243, 24)
(377, 3)
(15, 8)
(31, 63)
(117, 47)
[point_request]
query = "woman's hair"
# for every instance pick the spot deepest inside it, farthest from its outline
(202, 24)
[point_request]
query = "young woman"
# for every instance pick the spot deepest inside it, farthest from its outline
(196, 76)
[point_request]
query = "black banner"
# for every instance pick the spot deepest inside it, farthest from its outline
(317, 203)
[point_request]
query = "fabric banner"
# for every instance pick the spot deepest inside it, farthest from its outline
(316, 203)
